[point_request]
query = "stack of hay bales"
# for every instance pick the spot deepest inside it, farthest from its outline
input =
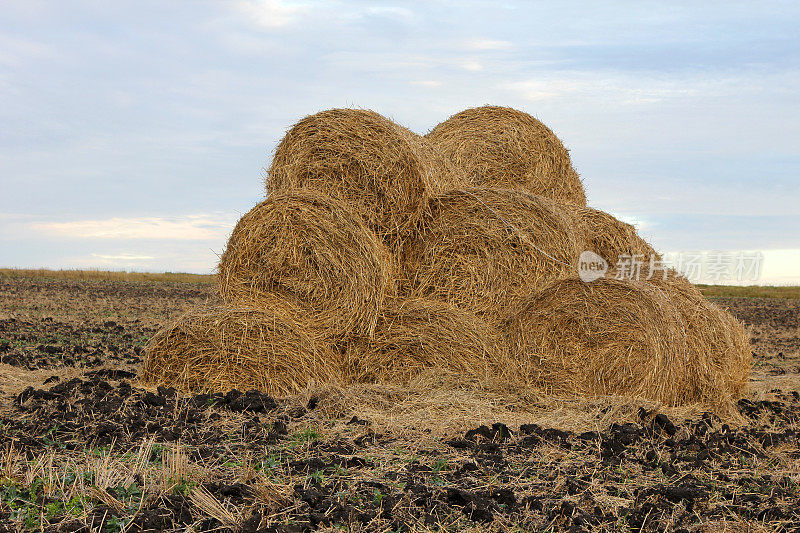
(379, 255)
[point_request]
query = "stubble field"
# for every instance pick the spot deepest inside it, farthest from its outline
(86, 448)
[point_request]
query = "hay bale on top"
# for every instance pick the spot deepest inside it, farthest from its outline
(418, 334)
(480, 249)
(504, 147)
(383, 171)
(223, 348)
(607, 337)
(718, 345)
(609, 237)
(309, 247)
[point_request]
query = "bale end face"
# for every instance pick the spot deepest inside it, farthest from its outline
(310, 249)
(223, 348)
(659, 340)
(606, 337)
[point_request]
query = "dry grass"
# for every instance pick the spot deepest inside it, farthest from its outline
(110, 275)
(384, 172)
(439, 404)
(480, 249)
(749, 291)
(419, 334)
(308, 248)
(224, 348)
(504, 147)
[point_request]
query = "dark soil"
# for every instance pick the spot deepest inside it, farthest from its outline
(274, 466)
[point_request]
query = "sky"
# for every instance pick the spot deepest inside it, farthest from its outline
(133, 135)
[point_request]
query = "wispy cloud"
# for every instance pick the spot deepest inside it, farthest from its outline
(638, 222)
(471, 65)
(17, 50)
(427, 83)
(125, 257)
(488, 44)
(161, 258)
(612, 87)
(14, 216)
(757, 267)
(394, 12)
(271, 14)
(189, 227)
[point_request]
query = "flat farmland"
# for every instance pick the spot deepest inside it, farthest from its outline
(86, 448)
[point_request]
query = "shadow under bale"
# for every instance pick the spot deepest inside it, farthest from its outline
(309, 249)
(421, 334)
(217, 349)
(503, 147)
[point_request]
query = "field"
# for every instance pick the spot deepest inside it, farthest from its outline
(86, 448)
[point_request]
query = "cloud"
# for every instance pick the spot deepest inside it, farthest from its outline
(427, 83)
(270, 14)
(638, 222)
(391, 12)
(189, 227)
(488, 44)
(781, 267)
(124, 257)
(16, 51)
(471, 65)
(611, 87)
(768, 267)
(14, 216)
(166, 258)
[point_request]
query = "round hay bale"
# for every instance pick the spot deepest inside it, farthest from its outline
(311, 248)
(480, 249)
(222, 348)
(383, 171)
(418, 334)
(611, 238)
(503, 147)
(719, 350)
(607, 337)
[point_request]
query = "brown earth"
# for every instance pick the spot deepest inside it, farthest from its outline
(86, 448)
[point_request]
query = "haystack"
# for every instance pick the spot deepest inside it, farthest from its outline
(611, 238)
(307, 247)
(719, 347)
(222, 348)
(383, 171)
(481, 249)
(421, 334)
(507, 148)
(607, 337)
